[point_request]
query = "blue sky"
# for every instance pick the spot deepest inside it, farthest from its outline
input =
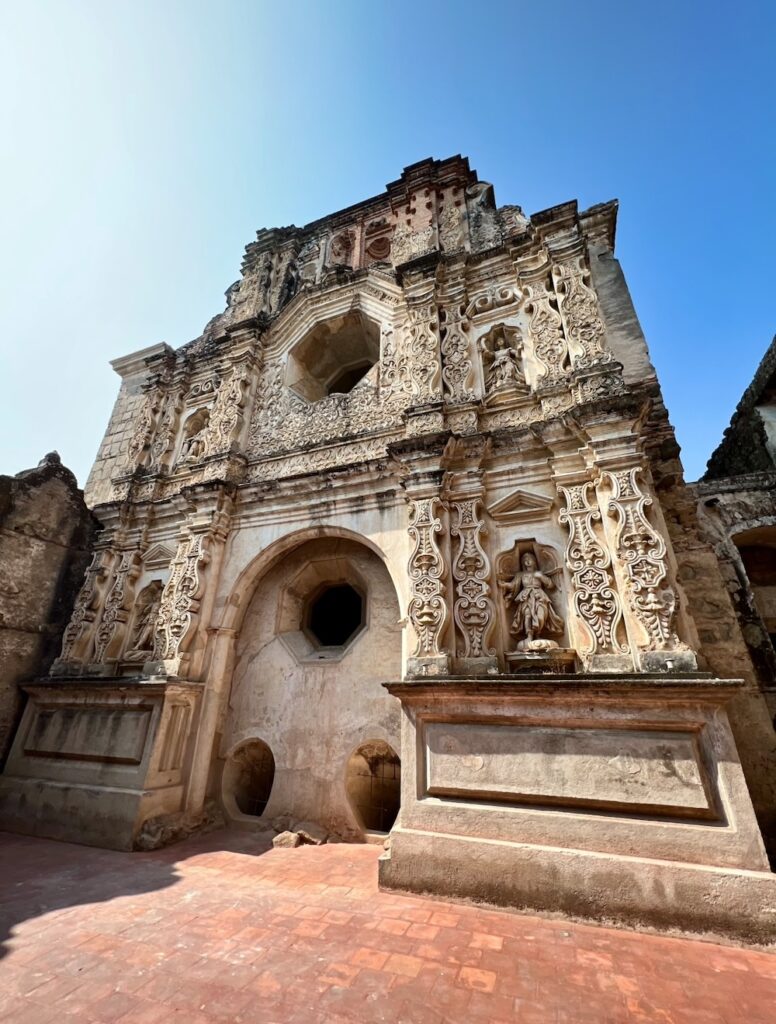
(144, 143)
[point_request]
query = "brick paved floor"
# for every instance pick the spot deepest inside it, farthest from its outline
(219, 929)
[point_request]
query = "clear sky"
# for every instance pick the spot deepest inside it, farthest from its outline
(145, 142)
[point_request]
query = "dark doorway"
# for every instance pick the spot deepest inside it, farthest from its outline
(335, 614)
(374, 785)
(248, 777)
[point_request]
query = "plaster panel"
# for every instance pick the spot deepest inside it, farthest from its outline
(116, 735)
(607, 768)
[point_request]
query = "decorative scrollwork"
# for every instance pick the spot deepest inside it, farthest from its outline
(642, 554)
(473, 610)
(427, 608)
(546, 327)
(595, 599)
(456, 364)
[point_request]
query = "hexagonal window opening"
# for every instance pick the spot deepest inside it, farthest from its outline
(334, 356)
(335, 615)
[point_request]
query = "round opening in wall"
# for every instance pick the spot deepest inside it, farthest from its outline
(335, 614)
(374, 785)
(248, 777)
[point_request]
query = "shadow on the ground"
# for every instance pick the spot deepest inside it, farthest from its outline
(38, 876)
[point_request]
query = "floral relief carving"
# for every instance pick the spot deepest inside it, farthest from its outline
(139, 451)
(642, 554)
(423, 350)
(115, 611)
(589, 562)
(427, 571)
(86, 608)
(579, 310)
(227, 412)
(546, 328)
(473, 610)
(456, 364)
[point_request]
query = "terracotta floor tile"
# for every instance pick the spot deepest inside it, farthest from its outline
(219, 930)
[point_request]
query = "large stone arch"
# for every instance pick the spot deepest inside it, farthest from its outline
(312, 704)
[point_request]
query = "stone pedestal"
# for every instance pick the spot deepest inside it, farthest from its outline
(93, 760)
(615, 798)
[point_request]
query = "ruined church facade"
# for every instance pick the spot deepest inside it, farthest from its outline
(400, 543)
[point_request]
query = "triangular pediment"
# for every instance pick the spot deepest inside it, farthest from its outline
(158, 556)
(521, 506)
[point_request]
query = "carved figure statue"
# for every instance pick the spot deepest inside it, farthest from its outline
(534, 614)
(502, 368)
(193, 446)
(290, 284)
(142, 643)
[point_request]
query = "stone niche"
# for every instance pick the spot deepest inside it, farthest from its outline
(98, 760)
(619, 798)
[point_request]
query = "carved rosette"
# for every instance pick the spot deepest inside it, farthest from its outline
(473, 610)
(642, 553)
(114, 612)
(546, 328)
(595, 599)
(427, 571)
(456, 364)
(579, 311)
(85, 609)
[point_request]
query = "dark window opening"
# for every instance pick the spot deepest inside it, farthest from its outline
(345, 381)
(335, 615)
(374, 785)
(251, 772)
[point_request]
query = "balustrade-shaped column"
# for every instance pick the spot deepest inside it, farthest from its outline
(79, 636)
(473, 607)
(642, 567)
(427, 570)
(200, 541)
(596, 601)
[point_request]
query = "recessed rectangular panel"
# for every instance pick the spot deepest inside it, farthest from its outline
(113, 735)
(658, 772)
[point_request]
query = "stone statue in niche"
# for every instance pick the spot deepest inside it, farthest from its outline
(141, 644)
(290, 284)
(528, 593)
(501, 348)
(193, 446)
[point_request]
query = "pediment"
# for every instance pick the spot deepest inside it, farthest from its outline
(158, 556)
(520, 506)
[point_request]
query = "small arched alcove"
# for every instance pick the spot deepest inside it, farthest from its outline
(247, 780)
(373, 784)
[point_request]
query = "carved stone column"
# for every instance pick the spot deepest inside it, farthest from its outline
(202, 534)
(427, 570)
(596, 601)
(473, 610)
(78, 638)
(641, 559)
(108, 638)
(423, 351)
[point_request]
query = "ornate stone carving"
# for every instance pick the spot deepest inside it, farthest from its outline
(484, 225)
(500, 349)
(427, 571)
(115, 609)
(588, 560)
(341, 249)
(227, 412)
(194, 445)
(642, 554)
(494, 298)
(578, 307)
(86, 608)
(183, 591)
(139, 450)
(168, 427)
(140, 646)
(407, 244)
(473, 610)
(533, 615)
(546, 328)
(451, 238)
(456, 364)
(423, 350)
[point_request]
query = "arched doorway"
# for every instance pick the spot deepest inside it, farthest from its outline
(374, 785)
(320, 634)
(247, 778)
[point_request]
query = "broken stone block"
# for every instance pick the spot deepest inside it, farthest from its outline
(287, 839)
(311, 833)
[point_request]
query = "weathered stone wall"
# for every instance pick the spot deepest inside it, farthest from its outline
(46, 533)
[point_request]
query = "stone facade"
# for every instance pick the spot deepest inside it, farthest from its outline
(46, 536)
(422, 453)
